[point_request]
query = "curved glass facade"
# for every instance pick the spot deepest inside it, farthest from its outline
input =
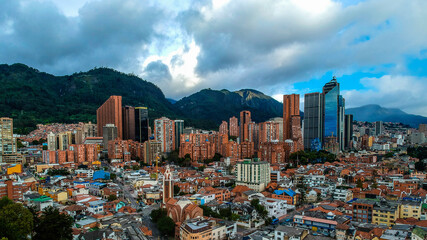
(331, 112)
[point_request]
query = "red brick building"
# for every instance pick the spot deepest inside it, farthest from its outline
(234, 127)
(12, 190)
(223, 128)
(110, 113)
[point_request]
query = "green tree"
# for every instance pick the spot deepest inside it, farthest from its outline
(16, 221)
(54, 225)
(420, 166)
(166, 225)
(156, 214)
(359, 183)
(176, 189)
(112, 197)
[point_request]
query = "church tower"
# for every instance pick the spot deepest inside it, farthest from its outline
(167, 185)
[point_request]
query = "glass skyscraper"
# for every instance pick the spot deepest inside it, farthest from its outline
(141, 124)
(324, 116)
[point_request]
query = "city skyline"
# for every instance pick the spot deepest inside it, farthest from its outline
(169, 44)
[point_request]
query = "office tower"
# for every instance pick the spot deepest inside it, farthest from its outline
(245, 119)
(128, 122)
(292, 120)
(348, 131)
(167, 185)
(223, 128)
(7, 141)
(110, 113)
(378, 128)
(141, 124)
(164, 132)
(179, 129)
(313, 120)
(253, 174)
(333, 120)
(234, 127)
(109, 132)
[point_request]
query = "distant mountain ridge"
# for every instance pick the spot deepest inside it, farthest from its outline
(218, 105)
(374, 112)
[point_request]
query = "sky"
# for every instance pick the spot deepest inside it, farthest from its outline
(377, 49)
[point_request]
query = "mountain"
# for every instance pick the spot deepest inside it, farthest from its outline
(373, 113)
(218, 105)
(32, 97)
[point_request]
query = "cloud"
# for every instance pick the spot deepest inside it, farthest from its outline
(403, 92)
(184, 46)
(111, 33)
(262, 44)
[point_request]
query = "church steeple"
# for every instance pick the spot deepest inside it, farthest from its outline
(167, 185)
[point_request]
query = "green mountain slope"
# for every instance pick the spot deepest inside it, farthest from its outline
(31, 97)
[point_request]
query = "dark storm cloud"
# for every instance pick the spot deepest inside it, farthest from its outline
(157, 70)
(111, 33)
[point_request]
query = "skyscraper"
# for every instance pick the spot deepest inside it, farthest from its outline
(110, 113)
(164, 132)
(179, 129)
(234, 127)
(324, 117)
(109, 134)
(141, 124)
(378, 128)
(348, 133)
(223, 128)
(128, 113)
(292, 120)
(7, 141)
(333, 120)
(313, 120)
(245, 119)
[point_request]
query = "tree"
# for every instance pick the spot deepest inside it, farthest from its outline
(176, 189)
(359, 183)
(54, 225)
(420, 166)
(113, 176)
(16, 221)
(166, 225)
(156, 214)
(112, 197)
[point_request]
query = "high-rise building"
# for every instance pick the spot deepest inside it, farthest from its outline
(179, 129)
(245, 119)
(164, 132)
(253, 174)
(348, 131)
(110, 113)
(234, 127)
(292, 120)
(378, 128)
(109, 132)
(88, 130)
(128, 114)
(141, 124)
(422, 128)
(268, 132)
(280, 121)
(51, 141)
(313, 119)
(7, 141)
(333, 120)
(223, 128)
